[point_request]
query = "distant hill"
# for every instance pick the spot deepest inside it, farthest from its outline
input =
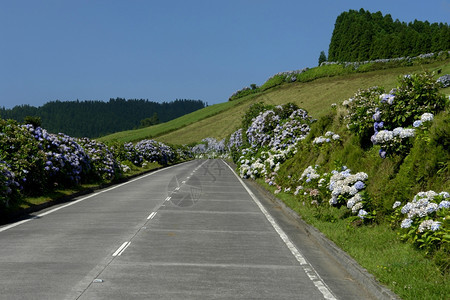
(361, 35)
(97, 118)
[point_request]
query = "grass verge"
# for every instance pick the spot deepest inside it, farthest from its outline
(378, 249)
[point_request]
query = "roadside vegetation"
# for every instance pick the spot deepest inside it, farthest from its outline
(371, 173)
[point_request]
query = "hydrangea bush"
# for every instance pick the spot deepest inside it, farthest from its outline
(66, 161)
(154, 151)
(9, 187)
(235, 141)
(328, 138)
(338, 188)
(102, 160)
(389, 119)
(279, 127)
(210, 148)
(24, 159)
(425, 221)
(127, 152)
(444, 81)
(271, 136)
(360, 110)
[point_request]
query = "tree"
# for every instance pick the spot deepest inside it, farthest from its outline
(150, 121)
(361, 35)
(322, 57)
(35, 121)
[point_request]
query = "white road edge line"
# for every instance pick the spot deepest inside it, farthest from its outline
(121, 249)
(307, 267)
(79, 200)
(152, 215)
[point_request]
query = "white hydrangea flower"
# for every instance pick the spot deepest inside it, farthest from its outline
(335, 137)
(396, 204)
(427, 117)
(444, 194)
(383, 136)
(357, 207)
(429, 225)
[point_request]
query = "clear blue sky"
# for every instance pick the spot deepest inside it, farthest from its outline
(163, 50)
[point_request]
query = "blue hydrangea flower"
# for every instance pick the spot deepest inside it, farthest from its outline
(377, 116)
(362, 213)
(444, 204)
(378, 125)
(406, 223)
(435, 226)
(359, 185)
(417, 123)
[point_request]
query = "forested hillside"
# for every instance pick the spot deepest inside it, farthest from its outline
(361, 35)
(96, 118)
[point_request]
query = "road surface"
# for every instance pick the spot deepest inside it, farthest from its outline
(190, 231)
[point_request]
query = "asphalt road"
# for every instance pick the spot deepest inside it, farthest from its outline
(190, 231)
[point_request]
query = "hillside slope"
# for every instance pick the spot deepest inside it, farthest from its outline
(315, 96)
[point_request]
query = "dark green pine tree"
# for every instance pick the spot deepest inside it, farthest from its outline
(361, 35)
(322, 57)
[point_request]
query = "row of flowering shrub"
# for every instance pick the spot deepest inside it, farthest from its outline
(209, 148)
(408, 60)
(274, 135)
(33, 160)
(387, 121)
(277, 79)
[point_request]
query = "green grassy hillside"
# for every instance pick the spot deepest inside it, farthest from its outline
(316, 96)
(164, 128)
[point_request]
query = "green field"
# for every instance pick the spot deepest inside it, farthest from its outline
(316, 96)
